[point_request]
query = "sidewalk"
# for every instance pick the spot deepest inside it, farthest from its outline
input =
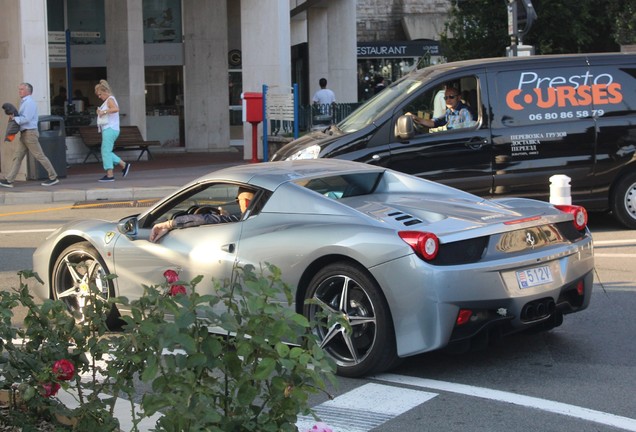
(154, 178)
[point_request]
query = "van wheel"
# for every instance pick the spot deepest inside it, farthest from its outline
(624, 201)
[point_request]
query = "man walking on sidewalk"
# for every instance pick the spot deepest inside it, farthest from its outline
(27, 118)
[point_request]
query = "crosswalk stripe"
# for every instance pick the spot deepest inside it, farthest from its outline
(365, 408)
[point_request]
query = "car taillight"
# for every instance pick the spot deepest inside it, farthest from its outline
(579, 213)
(425, 244)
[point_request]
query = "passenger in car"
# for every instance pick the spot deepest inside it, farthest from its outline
(243, 197)
(457, 113)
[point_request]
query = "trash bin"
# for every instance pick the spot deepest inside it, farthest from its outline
(53, 142)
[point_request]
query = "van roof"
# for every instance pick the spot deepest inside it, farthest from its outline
(554, 58)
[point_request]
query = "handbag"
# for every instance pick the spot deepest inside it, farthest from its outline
(102, 120)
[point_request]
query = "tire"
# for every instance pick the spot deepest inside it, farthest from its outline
(624, 201)
(77, 268)
(345, 291)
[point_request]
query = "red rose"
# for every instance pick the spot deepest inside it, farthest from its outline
(63, 369)
(171, 276)
(177, 289)
(49, 389)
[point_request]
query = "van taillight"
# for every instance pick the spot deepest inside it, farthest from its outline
(579, 213)
(424, 244)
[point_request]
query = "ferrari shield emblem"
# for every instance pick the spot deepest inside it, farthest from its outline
(109, 237)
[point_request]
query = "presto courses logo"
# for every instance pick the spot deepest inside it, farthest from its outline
(535, 91)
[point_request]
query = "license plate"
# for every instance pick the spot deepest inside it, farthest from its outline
(534, 277)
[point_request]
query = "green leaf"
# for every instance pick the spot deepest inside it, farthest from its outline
(282, 349)
(264, 368)
(196, 360)
(246, 393)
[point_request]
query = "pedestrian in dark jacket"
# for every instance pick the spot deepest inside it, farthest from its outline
(12, 128)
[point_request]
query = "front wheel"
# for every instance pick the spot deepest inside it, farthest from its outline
(624, 201)
(342, 293)
(78, 270)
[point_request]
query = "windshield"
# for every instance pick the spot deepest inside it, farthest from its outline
(379, 104)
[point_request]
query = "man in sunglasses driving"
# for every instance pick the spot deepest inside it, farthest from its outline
(457, 113)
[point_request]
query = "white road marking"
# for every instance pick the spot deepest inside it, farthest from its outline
(43, 230)
(365, 408)
(614, 242)
(613, 420)
(372, 404)
(610, 255)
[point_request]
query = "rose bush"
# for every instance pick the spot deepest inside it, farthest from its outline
(246, 378)
(64, 369)
(52, 352)
(49, 389)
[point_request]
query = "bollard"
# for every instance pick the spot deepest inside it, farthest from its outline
(560, 190)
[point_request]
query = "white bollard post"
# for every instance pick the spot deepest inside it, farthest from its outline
(560, 190)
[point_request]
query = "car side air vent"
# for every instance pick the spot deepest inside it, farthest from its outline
(406, 219)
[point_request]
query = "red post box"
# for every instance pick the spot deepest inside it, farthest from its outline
(253, 113)
(252, 107)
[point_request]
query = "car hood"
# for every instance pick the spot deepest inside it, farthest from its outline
(322, 138)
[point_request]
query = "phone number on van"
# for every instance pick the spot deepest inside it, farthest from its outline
(566, 115)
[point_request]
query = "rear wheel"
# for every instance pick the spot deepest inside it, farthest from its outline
(624, 201)
(77, 270)
(345, 293)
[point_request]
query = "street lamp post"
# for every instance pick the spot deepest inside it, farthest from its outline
(519, 22)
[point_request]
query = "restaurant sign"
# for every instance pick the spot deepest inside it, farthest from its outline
(398, 49)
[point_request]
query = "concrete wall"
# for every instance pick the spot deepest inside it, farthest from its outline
(207, 118)
(381, 20)
(266, 53)
(23, 58)
(332, 48)
(125, 59)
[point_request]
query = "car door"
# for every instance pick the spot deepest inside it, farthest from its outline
(457, 157)
(207, 250)
(542, 125)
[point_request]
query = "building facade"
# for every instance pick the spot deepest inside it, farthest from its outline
(178, 67)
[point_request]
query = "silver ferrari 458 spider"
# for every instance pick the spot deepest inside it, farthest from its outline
(410, 264)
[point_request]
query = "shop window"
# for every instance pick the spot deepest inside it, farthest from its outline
(162, 21)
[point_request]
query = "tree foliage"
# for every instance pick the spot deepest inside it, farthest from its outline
(479, 28)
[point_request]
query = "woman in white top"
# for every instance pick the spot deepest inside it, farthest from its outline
(108, 124)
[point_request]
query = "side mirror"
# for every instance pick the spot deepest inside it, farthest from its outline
(128, 227)
(404, 128)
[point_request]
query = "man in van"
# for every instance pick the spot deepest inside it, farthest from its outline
(457, 113)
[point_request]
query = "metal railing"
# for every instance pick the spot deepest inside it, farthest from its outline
(314, 116)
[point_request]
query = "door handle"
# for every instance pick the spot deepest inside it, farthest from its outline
(229, 248)
(476, 143)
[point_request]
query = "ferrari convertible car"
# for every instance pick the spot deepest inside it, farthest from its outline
(411, 265)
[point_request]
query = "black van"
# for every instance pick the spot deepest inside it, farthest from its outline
(533, 117)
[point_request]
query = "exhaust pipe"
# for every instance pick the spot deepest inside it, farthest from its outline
(528, 312)
(538, 309)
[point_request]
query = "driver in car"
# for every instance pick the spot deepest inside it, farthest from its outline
(457, 113)
(243, 197)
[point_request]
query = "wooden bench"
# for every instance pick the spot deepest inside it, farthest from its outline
(129, 139)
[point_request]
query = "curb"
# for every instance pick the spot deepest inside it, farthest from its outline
(79, 195)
